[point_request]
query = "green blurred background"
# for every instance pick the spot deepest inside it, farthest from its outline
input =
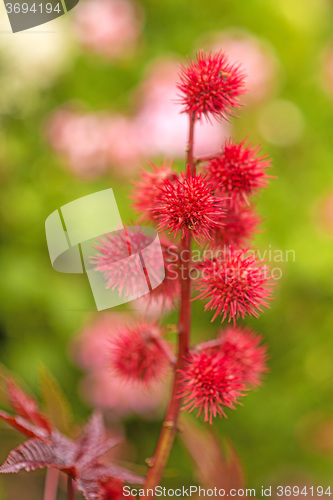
(284, 431)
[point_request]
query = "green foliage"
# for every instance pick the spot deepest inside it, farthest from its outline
(56, 406)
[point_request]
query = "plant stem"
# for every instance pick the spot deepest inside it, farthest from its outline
(169, 429)
(51, 484)
(70, 489)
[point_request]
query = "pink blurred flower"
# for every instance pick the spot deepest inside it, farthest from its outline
(95, 144)
(103, 390)
(101, 386)
(163, 128)
(92, 144)
(89, 349)
(78, 138)
(108, 27)
(123, 142)
(256, 59)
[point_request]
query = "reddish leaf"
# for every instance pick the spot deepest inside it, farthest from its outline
(93, 443)
(213, 467)
(26, 406)
(29, 456)
(91, 480)
(23, 426)
(80, 459)
(65, 450)
(113, 490)
(91, 490)
(105, 471)
(123, 474)
(93, 431)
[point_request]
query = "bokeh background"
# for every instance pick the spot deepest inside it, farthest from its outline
(88, 98)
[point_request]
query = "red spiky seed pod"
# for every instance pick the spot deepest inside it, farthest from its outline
(147, 188)
(242, 346)
(209, 382)
(139, 353)
(240, 225)
(236, 285)
(115, 259)
(187, 205)
(238, 172)
(210, 86)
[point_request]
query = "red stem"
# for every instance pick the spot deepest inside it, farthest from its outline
(169, 429)
(70, 489)
(51, 484)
